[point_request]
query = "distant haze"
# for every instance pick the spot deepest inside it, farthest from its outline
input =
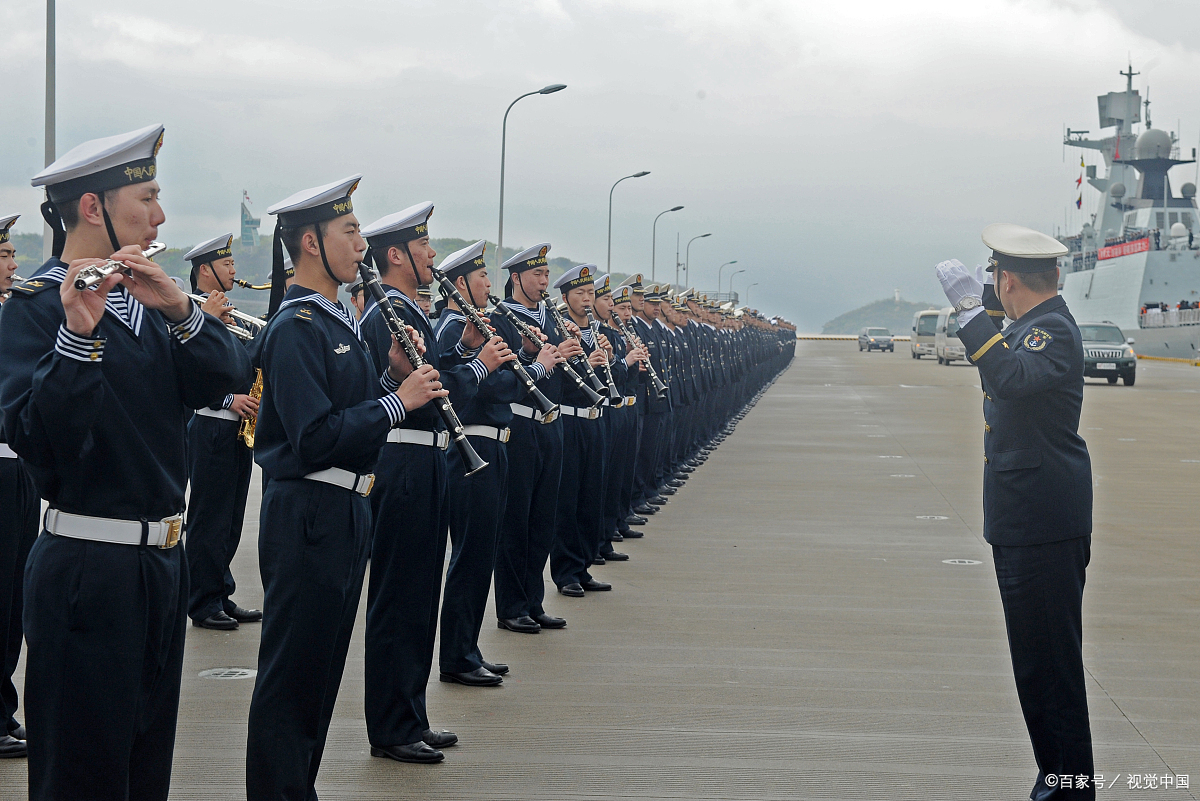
(836, 150)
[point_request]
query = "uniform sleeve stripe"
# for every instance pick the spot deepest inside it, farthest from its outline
(995, 312)
(387, 383)
(395, 409)
(479, 369)
(986, 347)
(225, 404)
(538, 371)
(191, 326)
(81, 349)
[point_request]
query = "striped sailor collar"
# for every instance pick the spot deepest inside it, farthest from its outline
(119, 303)
(448, 316)
(538, 315)
(396, 294)
(299, 294)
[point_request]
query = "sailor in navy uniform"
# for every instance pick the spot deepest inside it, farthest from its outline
(476, 501)
(425, 300)
(656, 417)
(408, 543)
(18, 529)
(1037, 485)
(325, 413)
(219, 465)
(635, 391)
(579, 518)
(95, 392)
(535, 448)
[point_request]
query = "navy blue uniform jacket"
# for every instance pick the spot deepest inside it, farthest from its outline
(1037, 475)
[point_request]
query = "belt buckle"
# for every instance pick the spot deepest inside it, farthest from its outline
(174, 526)
(443, 440)
(549, 417)
(370, 477)
(505, 433)
(593, 413)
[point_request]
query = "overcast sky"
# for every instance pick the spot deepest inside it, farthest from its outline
(836, 150)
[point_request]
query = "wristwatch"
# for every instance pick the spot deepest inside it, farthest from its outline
(970, 302)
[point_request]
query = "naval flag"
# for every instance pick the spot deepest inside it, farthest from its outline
(1079, 201)
(1079, 181)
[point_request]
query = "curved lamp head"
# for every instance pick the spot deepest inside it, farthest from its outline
(677, 208)
(703, 235)
(552, 88)
(640, 174)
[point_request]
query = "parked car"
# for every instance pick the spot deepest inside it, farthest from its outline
(924, 331)
(947, 345)
(1107, 353)
(875, 339)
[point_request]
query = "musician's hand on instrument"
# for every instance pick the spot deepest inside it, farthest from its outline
(218, 306)
(420, 387)
(417, 340)
(495, 353)
(636, 356)
(549, 357)
(570, 348)
(152, 287)
(84, 309)
(572, 328)
(604, 343)
(471, 337)
(529, 346)
(244, 406)
(597, 358)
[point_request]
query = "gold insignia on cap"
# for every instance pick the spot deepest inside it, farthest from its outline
(353, 186)
(543, 251)
(583, 273)
(158, 144)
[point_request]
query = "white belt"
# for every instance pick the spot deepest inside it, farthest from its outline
(345, 479)
(491, 432)
(160, 533)
(221, 414)
(7, 452)
(531, 414)
(412, 436)
(589, 413)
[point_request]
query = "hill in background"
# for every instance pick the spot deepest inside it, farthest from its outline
(894, 315)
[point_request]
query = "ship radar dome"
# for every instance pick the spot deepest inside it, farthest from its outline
(1178, 230)
(1188, 189)
(1117, 190)
(1153, 144)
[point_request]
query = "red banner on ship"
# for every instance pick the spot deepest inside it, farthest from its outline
(1124, 249)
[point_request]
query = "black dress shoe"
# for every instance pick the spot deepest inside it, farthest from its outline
(244, 615)
(439, 739)
(499, 668)
(218, 622)
(550, 622)
(657, 500)
(616, 536)
(644, 509)
(666, 490)
(636, 520)
(599, 560)
(19, 733)
(591, 585)
(633, 534)
(479, 677)
(686, 467)
(12, 748)
(417, 752)
(572, 590)
(521, 625)
(675, 482)
(617, 556)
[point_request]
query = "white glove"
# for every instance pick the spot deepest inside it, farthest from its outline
(958, 283)
(983, 276)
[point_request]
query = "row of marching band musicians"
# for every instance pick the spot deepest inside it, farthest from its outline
(378, 435)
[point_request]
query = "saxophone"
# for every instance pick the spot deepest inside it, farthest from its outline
(246, 427)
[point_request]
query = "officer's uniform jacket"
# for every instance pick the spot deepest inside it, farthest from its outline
(1037, 484)
(650, 336)
(490, 405)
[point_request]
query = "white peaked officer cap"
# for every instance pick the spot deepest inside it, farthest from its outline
(1018, 249)
(219, 247)
(465, 261)
(317, 204)
(6, 223)
(577, 276)
(103, 164)
(403, 226)
(528, 258)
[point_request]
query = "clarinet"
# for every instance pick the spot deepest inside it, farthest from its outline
(565, 333)
(594, 398)
(371, 282)
(614, 394)
(659, 386)
(548, 408)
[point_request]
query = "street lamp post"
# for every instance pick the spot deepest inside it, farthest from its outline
(47, 234)
(687, 258)
(747, 303)
(654, 239)
(545, 90)
(735, 275)
(608, 264)
(719, 269)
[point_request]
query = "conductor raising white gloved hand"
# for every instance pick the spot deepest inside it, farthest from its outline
(963, 288)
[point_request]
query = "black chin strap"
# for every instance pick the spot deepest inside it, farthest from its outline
(278, 276)
(108, 226)
(54, 220)
(412, 264)
(471, 295)
(324, 260)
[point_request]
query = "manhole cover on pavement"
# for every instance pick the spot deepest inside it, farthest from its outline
(932, 517)
(229, 673)
(961, 562)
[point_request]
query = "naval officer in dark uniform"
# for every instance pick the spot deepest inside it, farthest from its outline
(1037, 486)
(95, 391)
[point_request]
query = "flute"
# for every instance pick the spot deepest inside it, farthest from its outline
(93, 274)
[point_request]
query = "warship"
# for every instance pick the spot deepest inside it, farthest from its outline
(1137, 262)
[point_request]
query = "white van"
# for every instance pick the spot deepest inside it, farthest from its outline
(947, 345)
(924, 330)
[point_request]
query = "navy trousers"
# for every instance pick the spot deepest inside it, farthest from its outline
(219, 467)
(622, 430)
(476, 509)
(1041, 587)
(105, 625)
(535, 452)
(579, 520)
(312, 549)
(18, 530)
(646, 483)
(408, 551)
(635, 438)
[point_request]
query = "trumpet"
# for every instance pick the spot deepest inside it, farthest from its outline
(247, 285)
(89, 276)
(252, 325)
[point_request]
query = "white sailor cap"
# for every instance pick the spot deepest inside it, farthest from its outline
(6, 222)
(634, 282)
(622, 294)
(1018, 249)
(465, 261)
(654, 292)
(528, 258)
(219, 247)
(577, 276)
(403, 226)
(603, 283)
(317, 204)
(103, 164)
